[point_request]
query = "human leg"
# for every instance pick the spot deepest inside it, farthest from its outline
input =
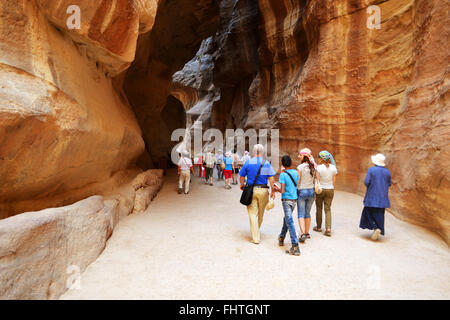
(308, 206)
(262, 195)
(301, 205)
(288, 222)
(319, 206)
(252, 210)
(187, 180)
(328, 199)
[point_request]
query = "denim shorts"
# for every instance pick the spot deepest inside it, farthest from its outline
(304, 203)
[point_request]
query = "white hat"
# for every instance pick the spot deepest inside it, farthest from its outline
(379, 159)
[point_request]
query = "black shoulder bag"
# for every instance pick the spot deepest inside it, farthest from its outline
(295, 183)
(247, 193)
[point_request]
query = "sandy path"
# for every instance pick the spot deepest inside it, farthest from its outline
(197, 246)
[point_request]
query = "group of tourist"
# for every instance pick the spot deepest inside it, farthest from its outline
(228, 166)
(301, 187)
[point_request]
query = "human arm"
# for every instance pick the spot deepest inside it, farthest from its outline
(242, 181)
(271, 182)
(367, 179)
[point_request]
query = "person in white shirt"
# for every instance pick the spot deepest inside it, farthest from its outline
(219, 160)
(210, 161)
(245, 158)
(326, 174)
(236, 167)
(184, 171)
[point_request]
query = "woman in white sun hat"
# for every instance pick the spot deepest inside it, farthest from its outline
(378, 181)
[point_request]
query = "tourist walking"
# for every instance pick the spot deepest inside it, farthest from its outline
(219, 160)
(228, 171)
(326, 175)
(236, 167)
(199, 164)
(307, 152)
(377, 181)
(306, 194)
(210, 161)
(185, 168)
(288, 187)
(258, 171)
(245, 158)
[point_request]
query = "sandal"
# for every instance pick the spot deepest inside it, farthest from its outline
(328, 232)
(317, 229)
(302, 238)
(308, 236)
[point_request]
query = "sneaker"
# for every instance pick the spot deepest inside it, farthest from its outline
(280, 241)
(375, 234)
(294, 250)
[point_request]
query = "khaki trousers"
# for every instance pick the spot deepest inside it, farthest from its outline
(185, 176)
(256, 211)
(325, 197)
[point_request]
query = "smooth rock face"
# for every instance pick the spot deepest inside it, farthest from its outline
(42, 252)
(64, 126)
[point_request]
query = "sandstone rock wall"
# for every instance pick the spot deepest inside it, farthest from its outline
(362, 91)
(315, 71)
(178, 31)
(43, 252)
(64, 127)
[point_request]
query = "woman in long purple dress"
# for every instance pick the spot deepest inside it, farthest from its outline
(378, 181)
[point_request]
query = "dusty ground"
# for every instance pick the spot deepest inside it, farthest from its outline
(197, 246)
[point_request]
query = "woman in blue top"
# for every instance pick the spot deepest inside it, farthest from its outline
(288, 180)
(378, 181)
(229, 167)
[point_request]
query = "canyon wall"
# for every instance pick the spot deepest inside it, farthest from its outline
(65, 127)
(80, 108)
(315, 70)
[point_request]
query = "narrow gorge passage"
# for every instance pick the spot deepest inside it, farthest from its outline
(197, 247)
(98, 98)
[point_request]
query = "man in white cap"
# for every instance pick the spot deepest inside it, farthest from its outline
(378, 181)
(258, 172)
(184, 171)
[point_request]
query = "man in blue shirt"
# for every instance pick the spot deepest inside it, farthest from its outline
(260, 191)
(289, 180)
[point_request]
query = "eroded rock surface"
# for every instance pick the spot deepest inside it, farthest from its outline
(42, 253)
(64, 126)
